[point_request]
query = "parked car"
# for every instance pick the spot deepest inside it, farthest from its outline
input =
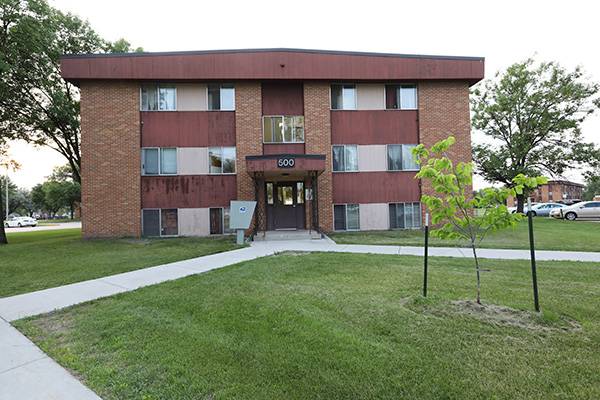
(513, 210)
(585, 209)
(14, 222)
(543, 209)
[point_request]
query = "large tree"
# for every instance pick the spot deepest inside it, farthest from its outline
(592, 185)
(36, 104)
(531, 116)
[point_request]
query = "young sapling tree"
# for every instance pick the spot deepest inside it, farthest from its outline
(455, 212)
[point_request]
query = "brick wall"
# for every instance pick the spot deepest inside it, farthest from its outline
(110, 167)
(248, 132)
(317, 133)
(444, 111)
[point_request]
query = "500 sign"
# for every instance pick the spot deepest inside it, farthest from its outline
(286, 162)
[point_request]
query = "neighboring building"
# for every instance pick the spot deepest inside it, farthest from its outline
(559, 191)
(322, 139)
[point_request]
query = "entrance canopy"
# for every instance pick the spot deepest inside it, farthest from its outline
(285, 164)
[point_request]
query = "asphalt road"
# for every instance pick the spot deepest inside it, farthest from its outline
(49, 227)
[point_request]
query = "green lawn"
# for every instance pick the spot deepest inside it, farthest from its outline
(549, 235)
(337, 326)
(39, 260)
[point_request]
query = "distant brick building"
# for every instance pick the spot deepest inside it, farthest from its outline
(559, 191)
(321, 139)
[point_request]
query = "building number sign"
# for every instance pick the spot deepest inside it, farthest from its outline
(286, 162)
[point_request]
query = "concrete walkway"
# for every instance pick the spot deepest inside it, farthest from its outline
(27, 373)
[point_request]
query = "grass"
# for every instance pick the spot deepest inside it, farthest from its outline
(337, 326)
(549, 235)
(44, 259)
(56, 221)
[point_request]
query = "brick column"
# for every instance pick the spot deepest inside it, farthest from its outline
(110, 166)
(444, 111)
(317, 134)
(248, 134)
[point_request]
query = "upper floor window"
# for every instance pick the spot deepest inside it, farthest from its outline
(159, 161)
(343, 97)
(159, 98)
(221, 160)
(221, 97)
(401, 97)
(345, 158)
(400, 157)
(281, 129)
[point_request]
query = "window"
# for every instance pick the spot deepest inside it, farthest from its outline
(401, 97)
(400, 157)
(405, 215)
(346, 217)
(270, 199)
(159, 161)
(159, 98)
(592, 205)
(345, 158)
(300, 193)
(282, 129)
(160, 222)
(221, 160)
(221, 97)
(219, 221)
(343, 97)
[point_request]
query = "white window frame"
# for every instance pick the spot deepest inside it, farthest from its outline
(343, 103)
(157, 86)
(346, 217)
(387, 152)
(160, 149)
(400, 108)
(220, 97)
(160, 221)
(345, 163)
(282, 119)
(416, 97)
(222, 173)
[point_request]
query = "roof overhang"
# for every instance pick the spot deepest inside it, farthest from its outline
(285, 164)
(270, 64)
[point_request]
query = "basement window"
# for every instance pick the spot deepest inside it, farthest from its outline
(160, 222)
(346, 217)
(405, 215)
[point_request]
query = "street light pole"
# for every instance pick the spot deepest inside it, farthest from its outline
(6, 193)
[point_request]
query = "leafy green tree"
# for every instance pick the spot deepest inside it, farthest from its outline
(38, 197)
(453, 208)
(22, 202)
(36, 104)
(592, 186)
(531, 117)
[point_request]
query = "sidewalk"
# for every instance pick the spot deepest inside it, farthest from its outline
(27, 373)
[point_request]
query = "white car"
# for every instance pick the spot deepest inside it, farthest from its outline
(17, 222)
(585, 209)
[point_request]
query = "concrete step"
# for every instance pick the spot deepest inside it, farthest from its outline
(287, 235)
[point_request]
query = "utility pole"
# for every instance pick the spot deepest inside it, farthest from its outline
(6, 193)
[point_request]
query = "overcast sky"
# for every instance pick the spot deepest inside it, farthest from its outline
(502, 31)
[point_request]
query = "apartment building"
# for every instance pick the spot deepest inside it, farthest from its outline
(321, 140)
(557, 191)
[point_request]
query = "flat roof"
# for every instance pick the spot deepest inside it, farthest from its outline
(270, 64)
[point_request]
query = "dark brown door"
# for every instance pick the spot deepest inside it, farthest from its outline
(288, 207)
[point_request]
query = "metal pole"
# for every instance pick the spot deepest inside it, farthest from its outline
(426, 254)
(536, 300)
(6, 194)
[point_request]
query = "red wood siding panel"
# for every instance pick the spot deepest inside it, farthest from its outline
(282, 98)
(284, 148)
(375, 187)
(193, 191)
(188, 128)
(374, 127)
(274, 64)
(301, 164)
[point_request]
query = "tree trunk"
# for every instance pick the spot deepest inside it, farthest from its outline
(520, 202)
(72, 209)
(478, 273)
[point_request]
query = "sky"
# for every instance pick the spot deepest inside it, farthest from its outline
(503, 32)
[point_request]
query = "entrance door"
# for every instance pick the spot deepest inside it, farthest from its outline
(288, 205)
